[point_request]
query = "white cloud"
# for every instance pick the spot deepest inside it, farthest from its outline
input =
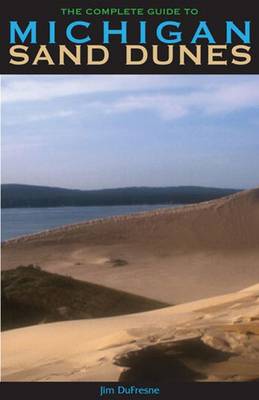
(166, 106)
(17, 88)
(233, 97)
(37, 117)
(43, 88)
(207, 101)
(170, 97)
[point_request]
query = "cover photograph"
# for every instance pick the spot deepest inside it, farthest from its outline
(129, 199)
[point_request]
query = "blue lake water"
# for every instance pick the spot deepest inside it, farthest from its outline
(23, 221)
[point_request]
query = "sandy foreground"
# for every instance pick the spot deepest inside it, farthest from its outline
(209, 251)
(171, 255)
(212, 339)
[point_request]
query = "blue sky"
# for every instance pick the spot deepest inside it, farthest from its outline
(86, 132)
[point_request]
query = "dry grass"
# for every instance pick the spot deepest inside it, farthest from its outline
(31, 295)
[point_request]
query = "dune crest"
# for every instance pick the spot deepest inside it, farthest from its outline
(188, 255)
(213, 339)
(212, 247)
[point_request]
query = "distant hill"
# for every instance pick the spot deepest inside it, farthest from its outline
(30, 296)
(16, 195)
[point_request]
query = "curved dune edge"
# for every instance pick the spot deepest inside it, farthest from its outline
(215, 339)
(170, 255)
(119, 218)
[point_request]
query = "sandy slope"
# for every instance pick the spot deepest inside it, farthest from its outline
(172, 255)
(211, 339)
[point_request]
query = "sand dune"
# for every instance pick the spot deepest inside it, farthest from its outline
(211, 246)
(31, 296)
(214, 339)
(172, 255)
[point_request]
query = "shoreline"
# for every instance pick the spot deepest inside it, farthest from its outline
(138, 214)
(211, 247)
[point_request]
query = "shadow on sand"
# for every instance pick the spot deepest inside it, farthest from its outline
(181, 361)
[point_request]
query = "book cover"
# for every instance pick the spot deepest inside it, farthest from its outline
(130, 199)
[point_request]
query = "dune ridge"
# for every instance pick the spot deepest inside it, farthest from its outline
(204, 256)
(214, 339)
(252, 194)
(31, 296)
(213, 247)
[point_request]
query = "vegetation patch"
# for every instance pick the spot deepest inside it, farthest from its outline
(119, 262)
(31, 296)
